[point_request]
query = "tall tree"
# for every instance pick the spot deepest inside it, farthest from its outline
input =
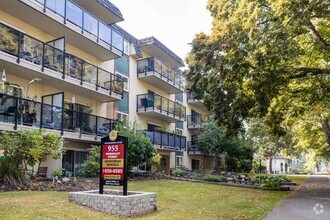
(261, 56)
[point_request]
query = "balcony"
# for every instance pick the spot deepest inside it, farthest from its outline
(193, 149)
(22, 113)
(159, 107)
(195, 102)
(156, 73)
(65, 18)
(28, 57)
(196, 122)
(167, 140)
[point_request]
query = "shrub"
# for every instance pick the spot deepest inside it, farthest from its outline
(197, 174)
(177, 172)
(57, 173)
(213, 178)
(91, 166)
(10, 171)
(270, 181)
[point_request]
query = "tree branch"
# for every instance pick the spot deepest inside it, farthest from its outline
(303, 72)
(317, 37)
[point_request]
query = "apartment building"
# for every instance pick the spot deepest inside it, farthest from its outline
(68, 68)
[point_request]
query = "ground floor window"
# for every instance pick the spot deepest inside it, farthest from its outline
(179, 161)
(194, 164)
(72, 162)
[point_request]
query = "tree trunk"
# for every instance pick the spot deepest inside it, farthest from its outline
(326, 129)
(270, 165)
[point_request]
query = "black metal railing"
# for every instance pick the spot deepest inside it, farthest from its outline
(20, 111)
(74, 14)
(28, 48)
(191, 97)
(152, 101)
(192, 147)
(157, 68)
(196, 121)
(167, 140)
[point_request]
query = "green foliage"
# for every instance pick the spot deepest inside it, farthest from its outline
(213, 178)
(266, 59)
(177, 172)
(57, 173)
(155, 160)
(25, 148)
(270, 181)
(10, 171)
(140, 149)
(91, 166)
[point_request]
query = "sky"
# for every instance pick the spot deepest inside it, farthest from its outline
(173, 22)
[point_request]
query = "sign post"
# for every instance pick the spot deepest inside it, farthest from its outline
(113, 163)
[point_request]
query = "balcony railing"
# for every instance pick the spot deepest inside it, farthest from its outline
(74, 14)
(196, 121)
(154, 102)
(191, 98)
(28, 48)
(192, 147)
(156, 67)
(20, 111)
(167, 140)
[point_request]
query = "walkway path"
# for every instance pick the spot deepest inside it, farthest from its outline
(310, 201)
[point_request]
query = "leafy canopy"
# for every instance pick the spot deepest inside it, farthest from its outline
(266, 58)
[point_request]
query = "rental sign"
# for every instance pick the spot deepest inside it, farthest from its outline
(113, 161)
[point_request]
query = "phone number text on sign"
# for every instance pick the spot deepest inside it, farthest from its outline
(113, 161)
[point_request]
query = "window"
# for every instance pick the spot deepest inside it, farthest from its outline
(179, 125)
(179, 97)
(122, 65)
(179, 161)
(122, 117)
(126, 47)
(123, 104)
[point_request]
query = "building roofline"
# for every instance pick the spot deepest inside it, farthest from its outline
(153, 40)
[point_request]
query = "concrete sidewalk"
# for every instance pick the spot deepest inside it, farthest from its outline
(310, 201)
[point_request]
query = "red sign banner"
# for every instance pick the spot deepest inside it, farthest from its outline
(113, 161)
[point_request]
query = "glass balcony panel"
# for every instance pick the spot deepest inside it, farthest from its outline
(74, 14)
(171, 108)
(104, 126)
(104, 80)
(90, 73)
(177, 78)
(158, 102)
(117, 41)
(7, 109)
(9, 40)
(177, 108)
(142, 66)
(117, 84)
(31, 50)
(56, 6)
(90, 24)
(53, 58)
(87, 123)
(183, 111)
(178, 141)
(69, 122)
(157, 66)
(171, 141)
(150, 135)
(165, 104)
(165, 139)
(51, 117)
(104, 33)
(73, 66)
(158, 137)
(29, 113)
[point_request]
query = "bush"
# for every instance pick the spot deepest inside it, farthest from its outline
(213, 178)
(270, 181)
(177, 172)
(10, 171)
(91, 166)
(197, 174)
(57, 173)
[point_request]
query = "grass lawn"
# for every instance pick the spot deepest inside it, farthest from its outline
(176, 200)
